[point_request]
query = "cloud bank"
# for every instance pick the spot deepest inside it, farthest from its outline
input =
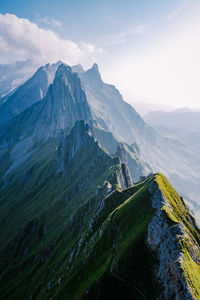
(21, 39)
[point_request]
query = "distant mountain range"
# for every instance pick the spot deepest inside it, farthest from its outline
(182, 125)
(14, 74)
(75, 225)
(180, 119)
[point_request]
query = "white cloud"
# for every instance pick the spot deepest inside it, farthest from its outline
(173, 14)
(124, 36)
(50, 21)
(21, 39)
(177, 11)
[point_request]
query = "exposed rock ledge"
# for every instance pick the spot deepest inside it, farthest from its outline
(164, 241)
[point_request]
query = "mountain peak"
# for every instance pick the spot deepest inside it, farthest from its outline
(95, 67)
(93, 75)
(95, 70)
(78, 68)
(63, 69)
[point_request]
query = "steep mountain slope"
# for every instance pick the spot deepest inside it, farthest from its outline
(128, 153)
(155, 246)
(179, 163)
(73, 226)
(64, 104)
(15, 97)
(139, 243)
(30, 92)
(145, 148)
(14, 74)
(43, 207)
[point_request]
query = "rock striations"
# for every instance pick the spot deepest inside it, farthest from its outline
(174, 238)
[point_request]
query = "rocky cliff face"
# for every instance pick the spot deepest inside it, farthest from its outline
(168, 240)
(83, 137)
(66, 100)
(64, 103)
(124, 177)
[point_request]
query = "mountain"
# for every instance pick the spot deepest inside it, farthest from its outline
(33, 123)
(179, 163)
(74, 226)
(46, 197)
(143, 108)
(14, 74)
(180, 119)
(30, 92)
(181, 124)
(75, 237)
(145, 148)
(64, 104)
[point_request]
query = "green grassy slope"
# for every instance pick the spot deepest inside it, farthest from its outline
(63, 241)
(44, 212)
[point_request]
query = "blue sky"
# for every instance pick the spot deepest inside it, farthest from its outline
(91, 20)
(149, 49)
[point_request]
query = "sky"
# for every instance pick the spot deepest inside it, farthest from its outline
(148, 49)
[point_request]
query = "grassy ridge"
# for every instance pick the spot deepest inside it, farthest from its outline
(58, 254)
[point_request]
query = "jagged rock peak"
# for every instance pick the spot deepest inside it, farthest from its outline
(78, 68)
(95, 67)
(63, 70)
(66, 82)
(65, 73)
(94, 72)
(59, 62)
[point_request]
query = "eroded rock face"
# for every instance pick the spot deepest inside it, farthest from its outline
(164, 241)
(65, 102)
(124, 177)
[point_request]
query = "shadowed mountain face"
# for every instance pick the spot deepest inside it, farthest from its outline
(73, 226)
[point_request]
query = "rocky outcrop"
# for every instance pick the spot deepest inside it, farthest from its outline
(82, 137)
(164, 241)
(121, 152)
(65, 102)
(123, 176)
